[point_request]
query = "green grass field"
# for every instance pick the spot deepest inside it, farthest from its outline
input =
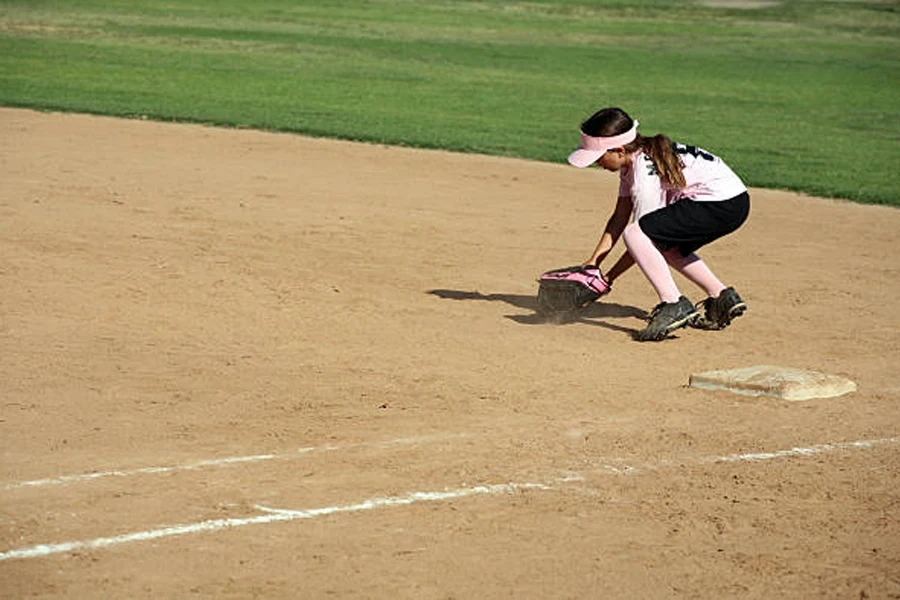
(801, 94)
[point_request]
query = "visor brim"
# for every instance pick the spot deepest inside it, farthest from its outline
(582, 158)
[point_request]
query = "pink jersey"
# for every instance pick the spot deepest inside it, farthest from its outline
(707, 177)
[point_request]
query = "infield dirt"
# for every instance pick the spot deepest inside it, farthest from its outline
(176, 293)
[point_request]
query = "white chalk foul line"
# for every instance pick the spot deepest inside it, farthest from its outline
(621, 469)
(272, 516)
(279, 515)
(86, 477)
(809, 451)
(217, 462)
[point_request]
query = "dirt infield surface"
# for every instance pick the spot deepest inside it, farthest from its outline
(238, 364)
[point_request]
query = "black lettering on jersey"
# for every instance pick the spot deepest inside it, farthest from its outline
(693, 151)
(651, 167)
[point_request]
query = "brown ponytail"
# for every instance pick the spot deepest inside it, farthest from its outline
(661, 151)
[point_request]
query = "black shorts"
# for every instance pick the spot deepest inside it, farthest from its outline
(689, 225)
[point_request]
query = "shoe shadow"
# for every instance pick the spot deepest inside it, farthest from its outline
(588, 315)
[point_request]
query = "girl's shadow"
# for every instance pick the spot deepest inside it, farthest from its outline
(587, 315)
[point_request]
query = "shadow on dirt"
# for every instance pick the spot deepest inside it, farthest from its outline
(588, 315)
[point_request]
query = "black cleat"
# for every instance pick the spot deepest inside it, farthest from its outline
(719, 312)
(666, 318)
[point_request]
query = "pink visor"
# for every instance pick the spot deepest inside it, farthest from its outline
(592, 148)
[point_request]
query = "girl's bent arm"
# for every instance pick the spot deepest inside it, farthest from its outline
(614, 228)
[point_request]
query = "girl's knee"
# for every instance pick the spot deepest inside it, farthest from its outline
(631, 231)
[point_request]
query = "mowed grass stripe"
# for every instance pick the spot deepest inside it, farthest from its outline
(781, 93)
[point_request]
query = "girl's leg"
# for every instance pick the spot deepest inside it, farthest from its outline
(695, 270)
(723, 304)
(652, 263)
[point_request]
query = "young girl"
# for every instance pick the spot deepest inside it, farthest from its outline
(678, 199)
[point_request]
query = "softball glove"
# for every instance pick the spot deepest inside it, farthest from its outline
(562, 292)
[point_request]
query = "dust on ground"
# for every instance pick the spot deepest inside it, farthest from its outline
(203, 327)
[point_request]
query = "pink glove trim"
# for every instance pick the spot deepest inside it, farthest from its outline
(590, 277)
